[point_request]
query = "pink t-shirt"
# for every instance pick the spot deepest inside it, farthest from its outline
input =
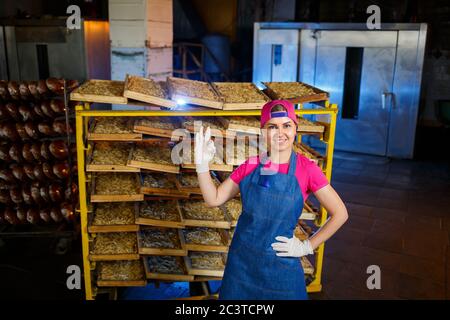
(309, 175)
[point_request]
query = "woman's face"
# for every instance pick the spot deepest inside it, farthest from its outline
(279, 133)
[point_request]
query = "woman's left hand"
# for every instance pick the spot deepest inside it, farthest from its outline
(292, 247)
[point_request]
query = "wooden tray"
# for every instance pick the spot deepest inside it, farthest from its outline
(117, 198)
(112, 228)
(164, 251)
(309, 212)
(238, 124)
(233, 159)
(107, 167)
(143, 95)
(221, 88)
(307, 266)
(191, 190)
(204, 272)
(121, 283)
(132, 136)
(160, 223)
(218, 128)
(167, 276)
(113, 257)
(177, 93)
(141, 126)
(220, 224)
(281, 93)
(309, 152)
(171, 168)
(171, 192)
(307, 126)
(212, 166)
(100, 91)
(233, 223)
(211, 248)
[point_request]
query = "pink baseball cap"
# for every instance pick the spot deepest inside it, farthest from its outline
(267, 114)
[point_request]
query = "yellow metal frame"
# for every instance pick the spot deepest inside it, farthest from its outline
(83, 113)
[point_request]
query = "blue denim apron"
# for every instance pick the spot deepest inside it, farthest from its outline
(272, 205)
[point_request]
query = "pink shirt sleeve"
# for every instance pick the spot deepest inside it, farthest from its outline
(244, 169)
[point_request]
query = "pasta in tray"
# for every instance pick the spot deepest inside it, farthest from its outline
(197, 210)
(166, 264)
(108, 153)
(146, 86)
(121, 213)
(234, 208)
(102, 88)
(120, 270)
(239, 92)
(116, 184)
(160, 210)
(190, 180)
(167, 123)
(159, 238)
(152, 154)
(115, 243)
(203, 236)
(207, 260)
(158, 180)
(113, 125)
(289, 90)
(192, 88)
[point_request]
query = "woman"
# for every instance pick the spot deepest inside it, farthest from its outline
(263, 259)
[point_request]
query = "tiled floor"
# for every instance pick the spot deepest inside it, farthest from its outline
(399, 219)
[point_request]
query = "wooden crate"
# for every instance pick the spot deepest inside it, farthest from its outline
(174, 192)
(140, 89)
(130, 136)
(182, 251)
(148, 165)
(225, 208)
(220, 224)
(121, 283)
(160, 223)
(100, 91)
(309, 212)
(241, 124)
(189, 91)
(211, 248)
(307, 126)
(217, 126)
(214, 165)
(145, 126)
(281, 91)
(308, 268)
(117, 198)
(239, 99)
(90, 167)
(112, 228)
(204, 272)
(237, 157)
(188, 189)
(167, 276)
(310, 153)
(113, 257)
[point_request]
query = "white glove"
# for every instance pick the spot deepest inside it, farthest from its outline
(204, 150)
(292, 247)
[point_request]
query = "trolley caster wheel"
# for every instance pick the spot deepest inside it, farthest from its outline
(62, 246)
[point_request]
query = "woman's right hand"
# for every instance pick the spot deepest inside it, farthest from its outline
(204, 150)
